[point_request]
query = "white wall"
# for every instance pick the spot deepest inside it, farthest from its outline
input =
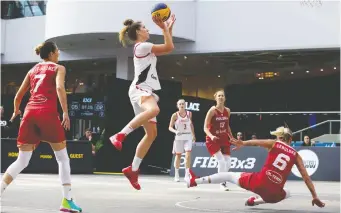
(108, 16)
(258, 25)
(215, 26)
(3, 35)
(22, 36)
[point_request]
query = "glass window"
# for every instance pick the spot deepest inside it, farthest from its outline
(23, 8)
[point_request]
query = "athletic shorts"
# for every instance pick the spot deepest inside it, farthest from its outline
(250, 182)
(40, 125)
(181, 146)
(220, 145)
(135, 95)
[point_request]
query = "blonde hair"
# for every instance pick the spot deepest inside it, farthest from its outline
(216, 93)
(283, 132)
(128, 32)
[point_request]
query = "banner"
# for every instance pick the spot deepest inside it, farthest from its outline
(322, 163)
(43, 159)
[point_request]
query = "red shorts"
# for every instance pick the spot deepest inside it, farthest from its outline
(250, 182)
(219, 145)
(40, 125)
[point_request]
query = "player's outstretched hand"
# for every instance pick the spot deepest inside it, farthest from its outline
(317, 202)
(170, 22)
(66, 121)
(237, 143)
(158, 21)
(15, 114)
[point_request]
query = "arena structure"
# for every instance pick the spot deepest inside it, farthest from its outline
(278, 62)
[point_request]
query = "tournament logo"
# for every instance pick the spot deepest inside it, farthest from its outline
(310, 160)
(274, 176)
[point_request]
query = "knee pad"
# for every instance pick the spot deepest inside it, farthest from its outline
(221, 166)
(287, 193)
(63, 161)
(20, 164)
(227, 162)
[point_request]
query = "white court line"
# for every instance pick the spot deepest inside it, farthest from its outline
(28, 208)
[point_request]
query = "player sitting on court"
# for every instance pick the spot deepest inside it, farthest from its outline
(269, 182)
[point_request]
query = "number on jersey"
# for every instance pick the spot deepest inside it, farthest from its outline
(41, 78)
(185, 126)
(281, 161)
(222, 125)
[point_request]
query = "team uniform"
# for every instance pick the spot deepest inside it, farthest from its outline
(41, 121)
(146, 80)
(183, 141)
(219, 127)
(269, 182)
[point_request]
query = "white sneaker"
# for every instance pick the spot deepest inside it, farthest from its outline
(176, 177)
(223, 186)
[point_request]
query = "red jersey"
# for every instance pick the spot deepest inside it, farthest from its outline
(278, 165)
(43, 86)
(219, 124)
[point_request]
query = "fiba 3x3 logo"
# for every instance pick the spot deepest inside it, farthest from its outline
(310, 160)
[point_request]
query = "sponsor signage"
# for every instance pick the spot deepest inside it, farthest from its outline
(43, 159)
(317, 161)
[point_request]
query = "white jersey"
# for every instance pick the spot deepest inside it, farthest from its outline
(183, 126)
(145, 76)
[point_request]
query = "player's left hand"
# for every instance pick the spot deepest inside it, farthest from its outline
(194, 139)
(237, 143)
(317, 202)
(14, 115)
(170, 22)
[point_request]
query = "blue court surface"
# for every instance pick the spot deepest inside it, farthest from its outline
(159, 194)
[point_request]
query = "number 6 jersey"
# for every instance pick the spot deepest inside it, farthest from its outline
(43, 86)
(278, 164)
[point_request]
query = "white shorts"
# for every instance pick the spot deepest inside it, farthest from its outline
(135, 95)
(181, 146)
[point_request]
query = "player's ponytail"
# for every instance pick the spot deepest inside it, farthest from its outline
(282, 132)
(38, 48)
(128, 32)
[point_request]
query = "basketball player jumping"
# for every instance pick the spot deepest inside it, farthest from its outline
(184, 137)
(269, 182)
(141, 92)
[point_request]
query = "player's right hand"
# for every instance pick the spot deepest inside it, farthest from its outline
(66, 121)
(214, 138)
(14, 115)
(158, 21)
(317, 202)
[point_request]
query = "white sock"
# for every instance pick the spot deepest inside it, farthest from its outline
(136, 163)
(127, 130)
(187, 172)
(259, 200)
(3, 186)
(202, 180)
(67, 192)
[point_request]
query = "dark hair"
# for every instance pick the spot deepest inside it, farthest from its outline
(44, 49)
(130, 29)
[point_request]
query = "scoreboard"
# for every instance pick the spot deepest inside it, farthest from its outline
(83, 107)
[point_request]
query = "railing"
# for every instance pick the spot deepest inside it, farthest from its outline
(327, 121)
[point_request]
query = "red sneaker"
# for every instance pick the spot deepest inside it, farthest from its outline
(190, 180)
(250, 201)
(117, 140)
(132, 177)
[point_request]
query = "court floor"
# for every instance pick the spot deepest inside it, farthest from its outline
(113, 193)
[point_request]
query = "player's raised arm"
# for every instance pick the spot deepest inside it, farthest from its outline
(308, 182)
(208, 119)
(168, 46)
(268, 144)
(171, 124)
(25, 85)
(60, 79)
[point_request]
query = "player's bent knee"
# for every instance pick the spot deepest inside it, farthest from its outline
(58, 146)
(20, 164)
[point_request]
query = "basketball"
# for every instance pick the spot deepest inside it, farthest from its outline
(161, 10)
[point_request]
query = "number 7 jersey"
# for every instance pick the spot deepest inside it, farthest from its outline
(43, 86)
(278, 164)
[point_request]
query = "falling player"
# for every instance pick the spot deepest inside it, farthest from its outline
(218, 134)
(41, 119)
(184, 137)
(141, 91)
(269, 182)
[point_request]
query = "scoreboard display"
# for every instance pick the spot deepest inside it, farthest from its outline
(83, 107)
